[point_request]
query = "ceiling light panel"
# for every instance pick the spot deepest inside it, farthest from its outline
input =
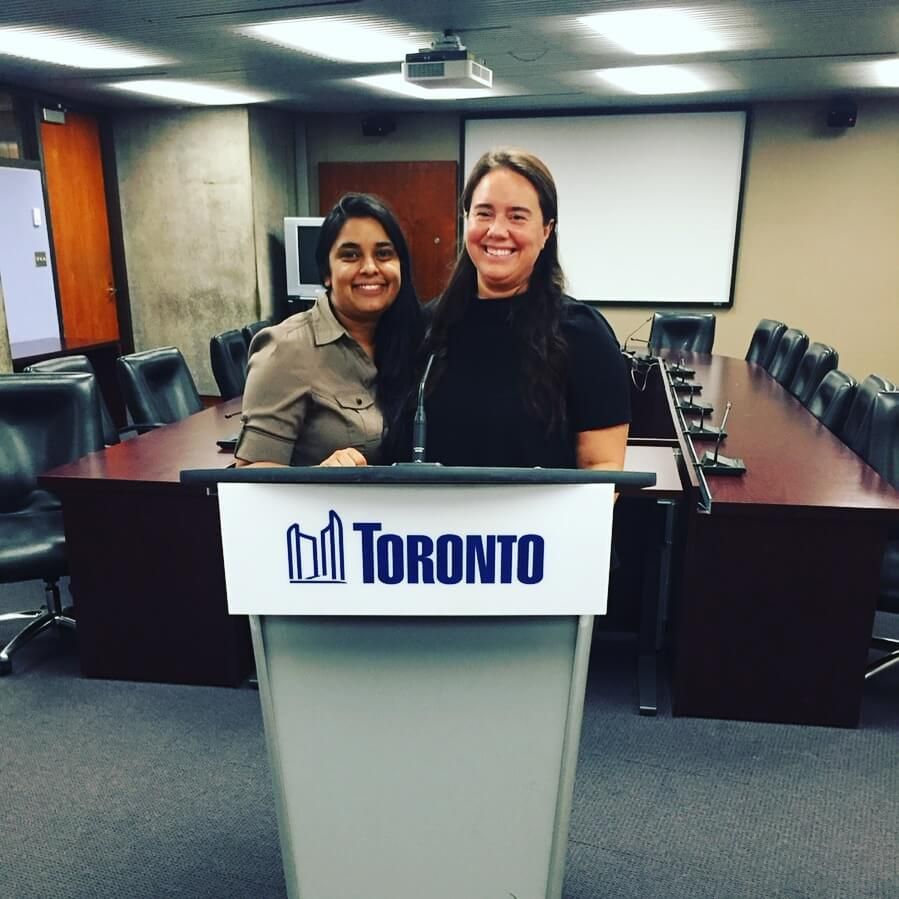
(878, 73)
(188, 92)
(396, 84)
(656, 80)
(661, 32)
(342, 39)
(69, 48)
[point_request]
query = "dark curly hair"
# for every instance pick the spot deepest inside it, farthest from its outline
(536, 320)
(401, 327)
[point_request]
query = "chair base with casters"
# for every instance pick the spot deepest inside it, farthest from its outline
(50, 615)
(891, 648)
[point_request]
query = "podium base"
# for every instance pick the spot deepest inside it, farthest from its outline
(721, 465)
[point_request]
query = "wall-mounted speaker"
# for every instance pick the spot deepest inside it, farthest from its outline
(378, 125)
(842, 114)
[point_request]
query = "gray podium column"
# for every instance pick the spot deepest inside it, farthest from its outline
(422, 758)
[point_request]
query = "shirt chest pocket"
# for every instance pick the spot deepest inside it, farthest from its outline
(361, 415)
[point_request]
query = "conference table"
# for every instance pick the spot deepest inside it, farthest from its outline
(145, 553)
(767, 580)
(777, 569)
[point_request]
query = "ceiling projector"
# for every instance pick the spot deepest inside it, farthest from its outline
(446, 63)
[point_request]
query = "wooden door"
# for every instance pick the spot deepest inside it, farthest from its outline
(424, 196)
(75, 188)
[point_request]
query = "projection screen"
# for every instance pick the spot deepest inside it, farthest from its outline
(648, 202)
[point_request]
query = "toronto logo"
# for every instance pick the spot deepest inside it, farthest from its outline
(387, 558)
(317, 558)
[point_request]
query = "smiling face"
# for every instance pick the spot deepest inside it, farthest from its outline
(505, 232)
(364, 271)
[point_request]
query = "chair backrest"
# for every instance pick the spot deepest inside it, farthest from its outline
(228, 354)
(251, 330)
(158, 386)
(690, 332)
(790, 350)
(816, 362)
(45, 420)
(83, 365)
(831, 400)
(853, 433)
(764, 341)
(881, 445)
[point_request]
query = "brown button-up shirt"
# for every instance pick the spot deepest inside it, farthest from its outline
(310, 390)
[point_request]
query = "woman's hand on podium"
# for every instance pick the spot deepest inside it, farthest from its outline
(344, 458)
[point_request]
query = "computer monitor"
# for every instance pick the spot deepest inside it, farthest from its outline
(300, 240)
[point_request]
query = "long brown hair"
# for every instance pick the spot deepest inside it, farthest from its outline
(536, 320)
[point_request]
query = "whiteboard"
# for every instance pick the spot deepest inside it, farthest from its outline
(648, 202)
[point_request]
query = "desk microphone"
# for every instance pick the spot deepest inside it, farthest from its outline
(721, 432)
(420, 421)
(630, 336)
(714, 463)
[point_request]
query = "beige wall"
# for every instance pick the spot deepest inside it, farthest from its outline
(819, 242)
(5, 355)
(338, 138)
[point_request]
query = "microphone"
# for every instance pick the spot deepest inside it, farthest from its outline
(629, 336)
(713, 463)
(420, 421)
(721, 432)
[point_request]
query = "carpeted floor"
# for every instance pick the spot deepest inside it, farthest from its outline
(118, 789)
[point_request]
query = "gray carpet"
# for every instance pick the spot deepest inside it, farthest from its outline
(117, 789)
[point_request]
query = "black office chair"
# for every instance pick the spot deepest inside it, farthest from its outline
(881, 452)
(764, 341)
(854, 433)
(111, 434)
(228, 354)
(790, 350)
(816, 362)
(684, 331)
(45, 420)
(251, 330)
(831, 400)
(158, 387)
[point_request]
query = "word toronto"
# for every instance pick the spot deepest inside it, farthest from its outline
(449, 558)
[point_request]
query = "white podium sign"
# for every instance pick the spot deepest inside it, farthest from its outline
(416, 549)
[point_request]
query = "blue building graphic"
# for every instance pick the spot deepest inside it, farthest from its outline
(317, 559)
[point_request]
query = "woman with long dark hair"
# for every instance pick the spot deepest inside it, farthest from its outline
(523, 375)
(325, 385)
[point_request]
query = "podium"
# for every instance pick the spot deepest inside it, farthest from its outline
(422, 636)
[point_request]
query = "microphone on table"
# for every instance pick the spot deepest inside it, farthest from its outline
(701, 431)
(714, 463)
(691, 405)
(721, 432)
(631, 335)
(679, 370)
(420, 421)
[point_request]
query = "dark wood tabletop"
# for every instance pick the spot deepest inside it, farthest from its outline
(792, 460)
(158, 457)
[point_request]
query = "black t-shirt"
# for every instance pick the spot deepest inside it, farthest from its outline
(478, 412)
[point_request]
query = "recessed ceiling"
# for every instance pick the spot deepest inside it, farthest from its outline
(541, 54)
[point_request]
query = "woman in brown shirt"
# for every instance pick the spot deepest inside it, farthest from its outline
(323, 386)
